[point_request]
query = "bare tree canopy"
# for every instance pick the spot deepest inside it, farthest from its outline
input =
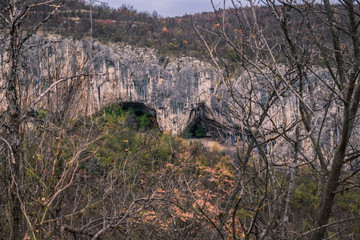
(295, 89)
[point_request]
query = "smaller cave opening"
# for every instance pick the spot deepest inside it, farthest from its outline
(196, 130)
(201, 126)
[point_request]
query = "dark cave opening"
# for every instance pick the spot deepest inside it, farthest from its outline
(201, 126)
(137, 115)
(138, 109)
(196, 130)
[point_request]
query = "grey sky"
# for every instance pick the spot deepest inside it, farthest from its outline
(167, 8)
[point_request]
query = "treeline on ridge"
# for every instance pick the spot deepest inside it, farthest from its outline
(174, 36)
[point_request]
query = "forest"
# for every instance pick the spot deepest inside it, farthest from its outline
(289, 91)
(169, 36)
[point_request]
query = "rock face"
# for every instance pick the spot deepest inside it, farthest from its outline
(183, 92)
(173, 87)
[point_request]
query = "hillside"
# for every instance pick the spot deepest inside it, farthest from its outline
(92, 132)
(176, 36)
(169, 36)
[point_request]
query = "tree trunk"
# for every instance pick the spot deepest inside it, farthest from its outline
(332, 183)
(290, 193)
(13, 120)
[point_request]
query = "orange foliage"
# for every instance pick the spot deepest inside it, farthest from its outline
(165, 30)
(104, 22)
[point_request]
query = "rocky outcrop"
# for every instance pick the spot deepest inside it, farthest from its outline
(173, 87)
(183, 92)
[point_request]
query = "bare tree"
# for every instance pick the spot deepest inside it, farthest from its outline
(21, 104)
(291, 81)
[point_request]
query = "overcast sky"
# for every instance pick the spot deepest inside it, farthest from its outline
(167, 8)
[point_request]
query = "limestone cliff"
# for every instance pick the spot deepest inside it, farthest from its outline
(173, 87)
(182, 91)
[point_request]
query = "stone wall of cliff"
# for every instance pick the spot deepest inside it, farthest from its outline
(173, 87)
(182, 91)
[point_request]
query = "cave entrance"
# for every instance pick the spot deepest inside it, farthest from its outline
(139, 116)
(201, 126)
(198, 129)
(138, 109)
